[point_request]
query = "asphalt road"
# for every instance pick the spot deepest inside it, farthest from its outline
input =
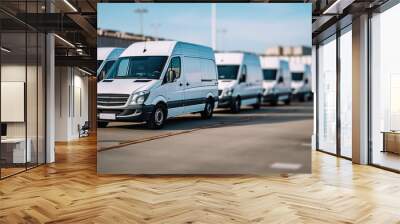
(269, 140)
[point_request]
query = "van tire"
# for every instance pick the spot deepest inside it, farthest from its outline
(207, 113)
(157, 117)
(302, 97)
(274, 102)
(288, 100)
(258, 104)
(235, 106)
(310, 97)
(102, 124)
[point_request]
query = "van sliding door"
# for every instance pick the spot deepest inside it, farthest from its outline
(194, 90)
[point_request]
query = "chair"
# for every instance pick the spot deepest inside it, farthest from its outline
(84, 130)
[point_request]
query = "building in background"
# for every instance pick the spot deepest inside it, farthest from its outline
(297, 54)
(113, 38)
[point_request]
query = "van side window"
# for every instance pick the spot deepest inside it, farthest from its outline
(122, 69)
(208, 69)
(174, 68)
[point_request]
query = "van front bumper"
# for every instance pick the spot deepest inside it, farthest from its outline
(135, 113)
(225, 101)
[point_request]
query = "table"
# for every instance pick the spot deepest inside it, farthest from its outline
(13, 150)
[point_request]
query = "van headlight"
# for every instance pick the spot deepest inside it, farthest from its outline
(139, 97)
(228, 92)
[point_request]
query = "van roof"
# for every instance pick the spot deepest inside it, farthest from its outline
(228, 58)
(233, 57)
(297, 67)
(271, 61)
(167, 48)
(104, 52)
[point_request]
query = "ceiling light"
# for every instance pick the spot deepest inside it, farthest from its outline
(70, 5)
(5, 50)
(64, 40)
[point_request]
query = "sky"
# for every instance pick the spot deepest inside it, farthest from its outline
(240, 26)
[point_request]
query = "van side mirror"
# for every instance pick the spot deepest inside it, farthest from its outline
(306, 81)
(280, 80)
(242, 78)
(170, 76)
(102, 75)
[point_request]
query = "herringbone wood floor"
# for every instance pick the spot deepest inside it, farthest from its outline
(70, 191)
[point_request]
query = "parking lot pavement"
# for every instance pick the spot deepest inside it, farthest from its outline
(272, 139)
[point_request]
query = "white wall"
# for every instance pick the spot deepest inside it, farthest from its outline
(71, 102)
(17, 73)
(33, 125)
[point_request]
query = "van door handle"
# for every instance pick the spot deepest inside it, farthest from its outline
(187, 83)
(180, 84)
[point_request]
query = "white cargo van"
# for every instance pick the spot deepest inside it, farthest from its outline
(153, 81)
(106, 57)
(301, 81)
(277, 80)
(239, 80)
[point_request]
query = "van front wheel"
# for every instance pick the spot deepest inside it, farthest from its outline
(302, 97)
(157, 117)
(288, 100)
(207, 113)
(257, 105)
(235, 107)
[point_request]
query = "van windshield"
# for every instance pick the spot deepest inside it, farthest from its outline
(297, 76)
(269, 74)
(228, 71)
(140, 67)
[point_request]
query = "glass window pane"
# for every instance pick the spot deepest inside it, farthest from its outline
(13, 86)
(385, 114)
(32, 97)
(327, 97)
(41, 98)
(346, 94)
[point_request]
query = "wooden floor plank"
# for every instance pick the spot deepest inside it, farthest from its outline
(70, 191)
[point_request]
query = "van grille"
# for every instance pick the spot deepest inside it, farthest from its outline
(112, 100)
